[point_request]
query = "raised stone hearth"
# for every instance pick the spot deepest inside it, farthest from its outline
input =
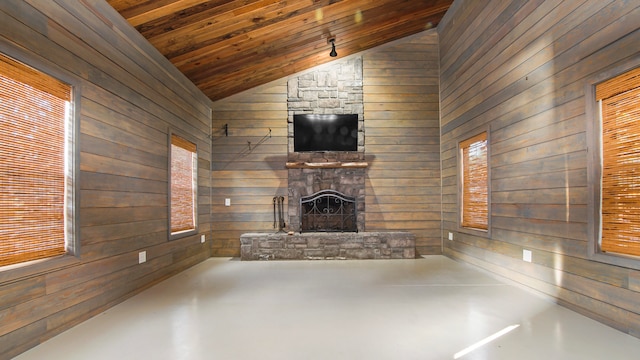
(327, 246)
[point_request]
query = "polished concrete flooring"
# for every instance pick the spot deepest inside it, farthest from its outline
(428, 308)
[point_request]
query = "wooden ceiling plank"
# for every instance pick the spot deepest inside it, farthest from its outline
(228, 46)
(286, 28)
(311, 40)
(173, 21)
(122, 5)
(264, 72)
(267, 72)
(152, 9)
(210, 16)
(212, 27)
(232, 41)
(258, 7)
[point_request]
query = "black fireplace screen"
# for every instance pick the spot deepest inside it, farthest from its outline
(328, 211)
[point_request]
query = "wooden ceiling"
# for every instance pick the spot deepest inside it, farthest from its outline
(227, 46)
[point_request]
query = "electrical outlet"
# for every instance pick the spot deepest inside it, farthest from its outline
(450, 236)
(203, 239)
(142, 257)
(526, 255)
(227, 202)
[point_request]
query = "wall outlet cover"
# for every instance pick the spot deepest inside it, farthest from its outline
(142, 257)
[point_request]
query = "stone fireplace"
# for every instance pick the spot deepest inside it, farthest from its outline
(335, 89)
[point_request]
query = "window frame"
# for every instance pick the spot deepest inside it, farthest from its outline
(594, 168)
(72, 190)
(180, 234)
(460, 176)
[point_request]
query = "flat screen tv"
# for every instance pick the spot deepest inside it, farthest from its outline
(324, 132)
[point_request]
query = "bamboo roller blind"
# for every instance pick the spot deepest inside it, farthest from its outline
(620, 206)
(475, 185)
(32, 159)
(183, 184)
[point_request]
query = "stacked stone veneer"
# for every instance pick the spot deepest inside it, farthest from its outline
(327, 246)
(332, 89)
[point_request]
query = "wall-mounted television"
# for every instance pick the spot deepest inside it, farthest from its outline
(325, 132)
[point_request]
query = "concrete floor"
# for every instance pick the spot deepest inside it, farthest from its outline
(429, 308)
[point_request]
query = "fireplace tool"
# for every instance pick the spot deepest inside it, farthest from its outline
(278, 213)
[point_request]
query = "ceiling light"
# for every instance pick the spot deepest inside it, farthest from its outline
(333, 52)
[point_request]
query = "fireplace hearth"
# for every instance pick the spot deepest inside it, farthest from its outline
(327, 246)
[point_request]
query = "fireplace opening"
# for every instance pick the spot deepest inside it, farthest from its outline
(328, 211)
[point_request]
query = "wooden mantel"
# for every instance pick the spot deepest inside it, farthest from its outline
(326, 165)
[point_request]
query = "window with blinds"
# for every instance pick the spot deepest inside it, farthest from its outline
(619, 100)
(183, 189)
(34, 116)
(474, 183)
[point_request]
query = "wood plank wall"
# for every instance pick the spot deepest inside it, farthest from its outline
(402, 139)
(248, 165)
(401, 145)
(520, 69)
(130, 97)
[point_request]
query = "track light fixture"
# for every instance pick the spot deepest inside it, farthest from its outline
(333, 52)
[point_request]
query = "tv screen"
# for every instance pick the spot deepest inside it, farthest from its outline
(323, 132)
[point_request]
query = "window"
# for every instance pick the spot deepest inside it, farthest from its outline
(36, 161)
(474, 183)
(183, 188)
(619, 108)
